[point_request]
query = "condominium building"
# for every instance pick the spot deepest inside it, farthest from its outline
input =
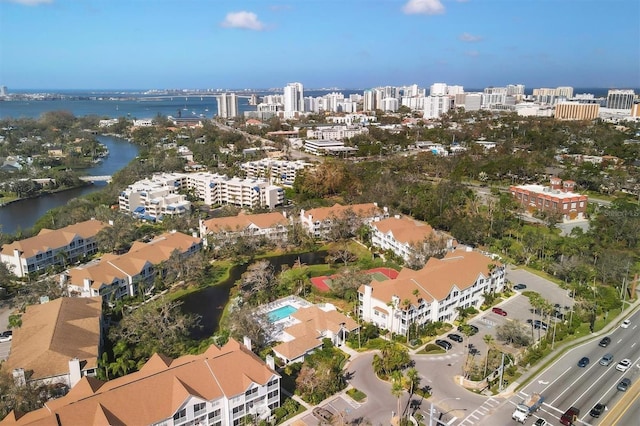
(49, 248)
(494, 96)
(227, 105)
(576, 111)
(294, 98)
(434, 293)
(620, 99)
(435, 106)
(113, 277)
(218, 387)
(59, 342)
(279, 172)
(328, 147)
(369, 100)
(336, 132)
(406, 237)
(319, 221)
(558, 198)
(222, 230)
(152, 199)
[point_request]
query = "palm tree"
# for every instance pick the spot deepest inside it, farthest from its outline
(397, 389)
(406, 303)
(391, 304)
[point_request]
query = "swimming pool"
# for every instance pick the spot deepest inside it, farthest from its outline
(281, 313)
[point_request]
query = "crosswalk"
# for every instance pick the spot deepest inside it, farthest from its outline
(480, 412)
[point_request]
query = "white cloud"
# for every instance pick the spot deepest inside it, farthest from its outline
(469, 38)
(425, 7)
(246, 20)
(30, 2)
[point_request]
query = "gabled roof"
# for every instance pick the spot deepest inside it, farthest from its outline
(459, 269)
(153, 394)
(48, 239)
(52, 333)
(338, 210)
(405, 230)
(112, 268)
(243, 221)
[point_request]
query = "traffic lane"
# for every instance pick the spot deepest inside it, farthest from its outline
(380, 402)
(549, 290)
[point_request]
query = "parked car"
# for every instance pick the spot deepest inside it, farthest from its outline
(623, 365)
(584, 361)
(626, 323)
(499, 311)
(322, 414)
(624, 385)
(606, 359)
(604, 342)
(444, 344)
(541, 422)
(519, 286)
(455, 337)
(540, 324)
(6, 336)
(597, 410)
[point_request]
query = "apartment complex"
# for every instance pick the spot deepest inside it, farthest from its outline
(227, 105)
(320, 221)
(204, 389)
(58, 342)
(151, 199)
(212, 188)
(113, 277)
(278, 172)
(49, 248)
(434, 293)
(406, 237)
(620, 99)
(558, 198)
(273, 226)
(335, 132)
(576, 111)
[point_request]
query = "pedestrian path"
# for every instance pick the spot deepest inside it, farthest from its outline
(479, 413)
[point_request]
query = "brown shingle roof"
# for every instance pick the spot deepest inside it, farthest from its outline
(437, 279)
(337, 210)
(243, 221)
(405, 230)
(48, 239)
(147, 396)
(55, 332)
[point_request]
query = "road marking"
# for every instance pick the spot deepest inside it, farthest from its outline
(634, 343)
(595, 382)
(586, 370)
(542, 382)
(551, 406)
(619, 341)
(551, 384)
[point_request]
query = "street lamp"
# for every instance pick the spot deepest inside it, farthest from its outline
(439, 402)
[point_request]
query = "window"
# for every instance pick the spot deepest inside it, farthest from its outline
(199, 407)
(238, 409)
(180, 415)
(250, 392)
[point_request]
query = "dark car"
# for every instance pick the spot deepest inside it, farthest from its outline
(541, 422)
(624, 385)
(519, 286)
(540, 324)
(499, 311)
(597, 410)
(455, 337)
(322, 414)
(444, 344)
(570, 416)
(583, 361)
(604, 342)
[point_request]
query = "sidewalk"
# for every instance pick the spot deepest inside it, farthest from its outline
(562, 347)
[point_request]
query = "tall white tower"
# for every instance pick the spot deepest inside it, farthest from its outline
(227, 105)
(293, 97)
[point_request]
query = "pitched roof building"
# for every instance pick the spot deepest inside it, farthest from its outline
(319, 221)
(52, 247)
(459, 280)
(270, 225)
(209, 388)
(116, 276)
(59, 341)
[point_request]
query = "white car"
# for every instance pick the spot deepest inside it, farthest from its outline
(623, 365)
(6, 336)
(626, 323)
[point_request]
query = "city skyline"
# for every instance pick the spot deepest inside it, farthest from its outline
(64, 44)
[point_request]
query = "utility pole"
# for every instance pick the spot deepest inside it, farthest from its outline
(501, 372)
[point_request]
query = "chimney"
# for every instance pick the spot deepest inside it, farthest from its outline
(74, 372)
(247, 342)
(271, 362)
(18, 377)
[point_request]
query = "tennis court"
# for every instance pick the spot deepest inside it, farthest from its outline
(323, 283)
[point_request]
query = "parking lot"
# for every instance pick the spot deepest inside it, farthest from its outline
(340, 406)
(518, 307)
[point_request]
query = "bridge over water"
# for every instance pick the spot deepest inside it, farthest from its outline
(96, 178)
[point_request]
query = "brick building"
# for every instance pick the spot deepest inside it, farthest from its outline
(558, 197)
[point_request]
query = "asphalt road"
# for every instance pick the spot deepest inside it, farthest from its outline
(564, 384)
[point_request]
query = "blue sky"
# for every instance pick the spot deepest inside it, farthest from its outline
(147, 44)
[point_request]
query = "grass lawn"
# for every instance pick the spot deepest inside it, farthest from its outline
(356, 395)
(432, 349)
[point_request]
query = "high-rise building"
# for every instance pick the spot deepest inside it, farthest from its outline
(369, 100)
(294, 97)
(576, 111)
(227, 105)
(435, 106)
(438, 89)
(620, 99)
